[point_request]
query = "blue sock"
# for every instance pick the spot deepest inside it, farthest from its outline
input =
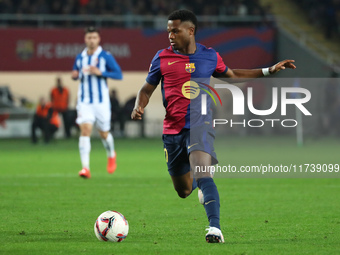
(194, 184)
(211, 201)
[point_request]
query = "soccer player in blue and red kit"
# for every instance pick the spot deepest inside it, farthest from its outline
(185, 61)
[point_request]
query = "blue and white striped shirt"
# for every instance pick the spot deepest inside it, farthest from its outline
(92, 88)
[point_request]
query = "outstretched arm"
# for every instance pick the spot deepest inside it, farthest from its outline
(142, 100)
(256, 73)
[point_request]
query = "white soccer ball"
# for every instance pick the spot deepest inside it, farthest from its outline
(111, 226)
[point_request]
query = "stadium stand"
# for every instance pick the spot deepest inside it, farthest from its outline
(324, 14)
(148, 7)
(126, 14)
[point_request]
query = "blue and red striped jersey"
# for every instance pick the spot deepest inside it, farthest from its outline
(177, 72)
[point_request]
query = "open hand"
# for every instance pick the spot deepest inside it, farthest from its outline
(288, 63)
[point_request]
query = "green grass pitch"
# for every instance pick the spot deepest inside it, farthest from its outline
(45, 208)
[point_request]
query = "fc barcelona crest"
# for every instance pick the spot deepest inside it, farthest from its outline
(190, 68)
(25, 49)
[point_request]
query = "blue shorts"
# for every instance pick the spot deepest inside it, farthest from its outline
(178, 147)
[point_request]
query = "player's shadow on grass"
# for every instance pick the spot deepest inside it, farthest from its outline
(294, 239)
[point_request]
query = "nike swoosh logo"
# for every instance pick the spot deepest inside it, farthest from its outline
(192, 145)
(209, 202)
(170, 63)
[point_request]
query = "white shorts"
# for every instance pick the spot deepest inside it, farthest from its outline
(99, 114)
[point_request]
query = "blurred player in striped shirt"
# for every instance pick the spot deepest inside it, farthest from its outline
(92, 67)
